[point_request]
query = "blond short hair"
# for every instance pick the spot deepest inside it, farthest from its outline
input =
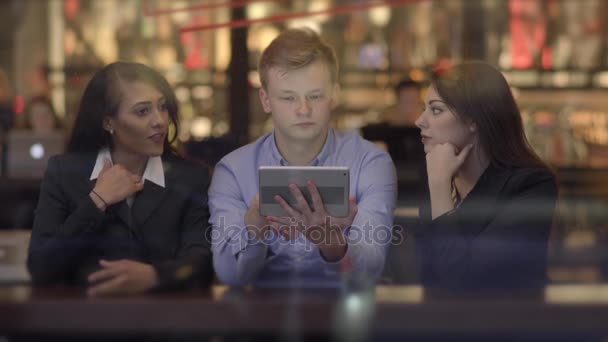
(294, 49)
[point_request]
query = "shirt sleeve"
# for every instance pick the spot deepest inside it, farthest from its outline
(370, 234)
(237, 257)
(59, 236)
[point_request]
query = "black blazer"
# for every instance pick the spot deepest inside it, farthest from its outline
(167, 227)
(496, 238)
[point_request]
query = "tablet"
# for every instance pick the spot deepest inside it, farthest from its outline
(331, 181)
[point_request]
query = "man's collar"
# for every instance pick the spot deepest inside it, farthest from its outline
(154, 171)
(327, 149)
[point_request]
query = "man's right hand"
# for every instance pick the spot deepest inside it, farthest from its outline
(115, 183)
(256, 224)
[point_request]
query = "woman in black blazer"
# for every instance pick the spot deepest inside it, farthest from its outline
(491, 199)
(120, 212)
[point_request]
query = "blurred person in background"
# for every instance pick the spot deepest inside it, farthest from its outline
(398, 131)
(491, 201)
(401, 138)
(40, 117)
(121, 212)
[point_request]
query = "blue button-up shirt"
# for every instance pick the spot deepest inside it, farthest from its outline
(239, 259)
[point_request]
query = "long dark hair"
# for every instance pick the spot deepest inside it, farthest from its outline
(102, 98)
(478, 92)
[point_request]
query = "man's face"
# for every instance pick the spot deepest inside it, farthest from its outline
(409, 102)
(300, 101)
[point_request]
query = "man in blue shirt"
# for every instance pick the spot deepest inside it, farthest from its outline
(299, 72)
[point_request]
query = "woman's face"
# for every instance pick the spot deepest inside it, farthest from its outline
(438, 124)
(41, 118)
(141, 124)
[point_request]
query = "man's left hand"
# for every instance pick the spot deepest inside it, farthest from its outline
(317, 225)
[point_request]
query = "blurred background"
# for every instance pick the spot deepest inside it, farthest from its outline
(554, 53)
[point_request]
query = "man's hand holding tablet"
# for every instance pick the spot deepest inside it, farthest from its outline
(305, 208)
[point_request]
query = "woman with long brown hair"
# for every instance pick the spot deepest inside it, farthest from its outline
(491, 203)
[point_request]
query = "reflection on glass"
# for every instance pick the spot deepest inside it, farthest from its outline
(354, 315)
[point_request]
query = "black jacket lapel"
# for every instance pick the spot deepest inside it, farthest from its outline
(481, 203)
(121, 210)
(147, 201)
